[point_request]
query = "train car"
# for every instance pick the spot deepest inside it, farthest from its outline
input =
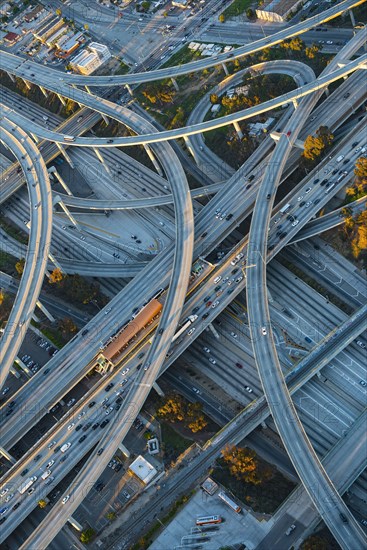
(208, 520)
(230, 502)
(132, 329)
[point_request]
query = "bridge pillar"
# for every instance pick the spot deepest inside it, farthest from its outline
(55, 262)
(35, 138)
(75, 523)
(24, 367)
(295, 103)
(62, 182)
(66, 210)
(7, 455)
(158, 389)
(88, 89)
(64, 154)
(190, 148)
(125, 451)
(101, 159)
(351, 15)
(61, 99)
(11, 76)
(14, 372)
(105, 118)
(45, 311)
(43, 91)
(175, 85)
(225, 69)
(153, 159)
(128, 87)
(238, 130)
(26, 83)
(214, 331)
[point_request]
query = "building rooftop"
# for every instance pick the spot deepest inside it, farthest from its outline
(143, 469)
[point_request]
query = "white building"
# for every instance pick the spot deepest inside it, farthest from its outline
(91, 58)
(143, 469)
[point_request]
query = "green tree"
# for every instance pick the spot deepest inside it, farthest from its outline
(67, 326)
(87, 535)
(111, 516)
(251, 14)
(172, 409)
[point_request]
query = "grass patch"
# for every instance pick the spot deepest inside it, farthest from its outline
(174, 443)
(123, 68)
(236, 8)
(7, 263)
(12, 230)
(52, 334)
(184, 55)
(265, 497)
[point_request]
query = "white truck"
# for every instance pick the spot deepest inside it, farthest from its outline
(26, 484)
(46, 474)
(65, 447)
(339, 158)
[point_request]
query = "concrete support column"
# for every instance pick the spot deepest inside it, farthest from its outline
(24, 367)
(62, 182)
(351, 15)
(225, 69)
(64, 154)
(128, 87)
(26, 83)
(55, 262)
(153, 159)
(14, 372)
(175, 85)
(61, 99)
(43, 91)
(99, 156)
(11, 76)
(58, 200)
(190, 148)
(159, 390)
(7, 455)
(105, 118)
(124, 450)
(295, 103)
(88, 89)
(35, 138)
(35, 318)
(238, 130)
(45, 311)
(214, 331)
(75, 523)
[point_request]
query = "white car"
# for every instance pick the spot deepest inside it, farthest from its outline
(263, 331)
(65, 499)
(107, 311)
(212, 360)
(308, 190)
(308, 204)
(125, 371)
(234, 335)
(215, 304)
(50, 445)
(296, 222)
(81, 415)
(9, 497)
(191, 331)
(207, 350)
(300, 198)
(239, 279)
(4, 491)
(51, 463)
(247, 388)
(71, 426)
(195, 390)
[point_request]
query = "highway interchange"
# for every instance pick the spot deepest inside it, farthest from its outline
(80, 353)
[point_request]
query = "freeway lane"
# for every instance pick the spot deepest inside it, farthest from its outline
(193, 66)
(111, 110)
(39, 191)
(305, 461)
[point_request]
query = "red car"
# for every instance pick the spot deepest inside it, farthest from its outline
(289, 133)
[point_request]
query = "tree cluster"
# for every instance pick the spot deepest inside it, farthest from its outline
(244, 466)
(314, 146)
(355, 230)
(77, 289)
(175, 409)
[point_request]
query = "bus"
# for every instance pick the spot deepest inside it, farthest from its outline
(26, 484)
(285, 208)
(207, 520)
(69, 138)
(231, 503)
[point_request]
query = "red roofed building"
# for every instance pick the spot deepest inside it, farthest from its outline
(11, 37)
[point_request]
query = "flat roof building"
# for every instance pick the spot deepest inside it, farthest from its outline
(33, 14)
(48, 29)
(277, 10)
(143, 469)
(68, 46)
(91, 58)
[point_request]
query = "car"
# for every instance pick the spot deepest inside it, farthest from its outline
(91, 404)
(264, 331)
(71, 402)
(191, 331)
(247, 388)
(65, 499)
(324, 181)
(282, 235)
(16, 505)
(45, 372)
(71, 426)
(63, 458)
(207, 350)
(22, 474)
(316, 181)
(196, 309)
(289, 133)
(80, 415)
(31, 490)
(49, 464)
(296, 222)
(110, 386)
(126, 494)
(268, 196)
(86, 426)
(217, 279)
(5, 390)
(307, 190)
(195, 390)
(234, 335)
(316, 201)
(215, 304)
(107, 311)
(364, 521)
(4, 491)
(204, 234)
(79, 427)
(205, 316)
(3, 511)
(37, 458)
(250, 178)
(360, 344)
(212, 360)
(104, 423)
(229, 217)
(300, 198)
(125, 371)
(234, 271)
(308, 204)
(82, 438)
(363, 383)
(239, 366)
(343, 518)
